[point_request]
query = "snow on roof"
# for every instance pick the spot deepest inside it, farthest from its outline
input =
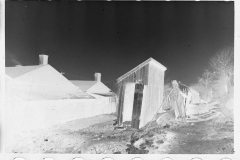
(56, 86)
(83, 85)
(14, 72)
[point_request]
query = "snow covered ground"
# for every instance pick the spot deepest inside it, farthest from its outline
(97, 135)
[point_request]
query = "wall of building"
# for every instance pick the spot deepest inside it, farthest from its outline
(42, 114)
(152, 75)
(140, 75)
(152, 94)
(24, 116)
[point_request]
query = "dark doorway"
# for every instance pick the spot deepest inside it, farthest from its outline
(120, 105)
(137, 105)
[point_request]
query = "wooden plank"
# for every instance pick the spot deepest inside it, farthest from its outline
(137, 105)
(128, 101)
(146, 74)
(120, 104)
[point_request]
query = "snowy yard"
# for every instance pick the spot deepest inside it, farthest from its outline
(97, 135)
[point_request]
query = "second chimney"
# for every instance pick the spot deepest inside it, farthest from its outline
(43, 59)
(97, 77)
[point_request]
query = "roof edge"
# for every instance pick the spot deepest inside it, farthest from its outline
(74, 82)
(92, 86)
(40, 66)
(140, 66)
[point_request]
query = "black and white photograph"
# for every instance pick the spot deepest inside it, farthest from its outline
(119, 77)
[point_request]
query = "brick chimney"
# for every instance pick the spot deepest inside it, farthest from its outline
(43, 59)
(97, 77)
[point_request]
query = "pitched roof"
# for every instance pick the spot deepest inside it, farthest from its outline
(14, 72)
(140, 66)
(83, 85)
(51, 87)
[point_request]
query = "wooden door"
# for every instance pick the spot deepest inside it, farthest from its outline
(137, 105)
(120, 105)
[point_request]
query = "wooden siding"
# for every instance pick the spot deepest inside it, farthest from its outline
(137, 105)
(140, 75)
(150, 75)
(121, 92)
(150, 60)
(153, 95)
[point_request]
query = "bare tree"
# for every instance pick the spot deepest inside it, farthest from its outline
(207, 78)
(206, 81)
(223, 65)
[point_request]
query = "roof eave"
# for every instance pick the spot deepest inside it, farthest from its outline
(140, 66)
(14, 77)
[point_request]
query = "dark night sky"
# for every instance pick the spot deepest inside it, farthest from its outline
(82, 38)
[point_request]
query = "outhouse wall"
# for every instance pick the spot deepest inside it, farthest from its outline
(140, 75)
(152, 76)
(153, 93)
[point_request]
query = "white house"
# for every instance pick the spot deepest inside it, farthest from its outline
(94, 87)
(41, 82)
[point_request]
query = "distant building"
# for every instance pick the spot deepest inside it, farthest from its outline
(41, 82)
(195, 97)
(94, 87)
(97, 89)
(141, 93)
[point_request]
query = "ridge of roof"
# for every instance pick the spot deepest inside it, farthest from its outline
(15, 72)
(83, 85)
(140, 66)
